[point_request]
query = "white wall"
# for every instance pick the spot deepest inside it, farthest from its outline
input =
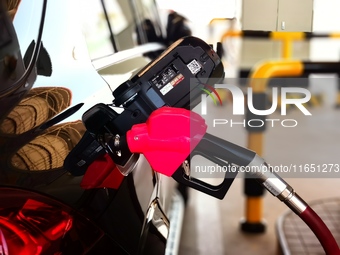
(326, 19)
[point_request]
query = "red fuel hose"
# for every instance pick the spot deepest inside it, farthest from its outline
(321, 231)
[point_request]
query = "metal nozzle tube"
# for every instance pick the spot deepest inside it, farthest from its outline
(276, 185)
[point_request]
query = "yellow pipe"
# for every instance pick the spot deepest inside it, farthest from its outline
(214, 20)
(338, 99)
(231, 33)
(265, 70)
(275, 35)
(292, 36)
(258, 82)
(287, 39)
(287, 49)
(280, 35)
(255, 141)
(254, 209)
(334, 35)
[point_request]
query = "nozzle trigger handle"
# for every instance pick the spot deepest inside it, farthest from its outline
(223, 153)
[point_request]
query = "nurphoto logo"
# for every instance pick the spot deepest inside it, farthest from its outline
(239, 103)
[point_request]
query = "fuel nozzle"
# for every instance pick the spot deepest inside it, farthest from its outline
(169, 138)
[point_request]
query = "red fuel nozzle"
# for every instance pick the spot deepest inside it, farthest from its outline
(167, 138)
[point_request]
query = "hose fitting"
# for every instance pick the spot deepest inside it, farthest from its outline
(276, 185)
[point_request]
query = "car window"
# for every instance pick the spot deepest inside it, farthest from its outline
(95, 26)
(110, 26)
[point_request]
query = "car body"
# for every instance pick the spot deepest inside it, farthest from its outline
(132, 215)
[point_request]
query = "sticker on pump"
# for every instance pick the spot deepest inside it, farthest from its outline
(172, 84)
(194, 66)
